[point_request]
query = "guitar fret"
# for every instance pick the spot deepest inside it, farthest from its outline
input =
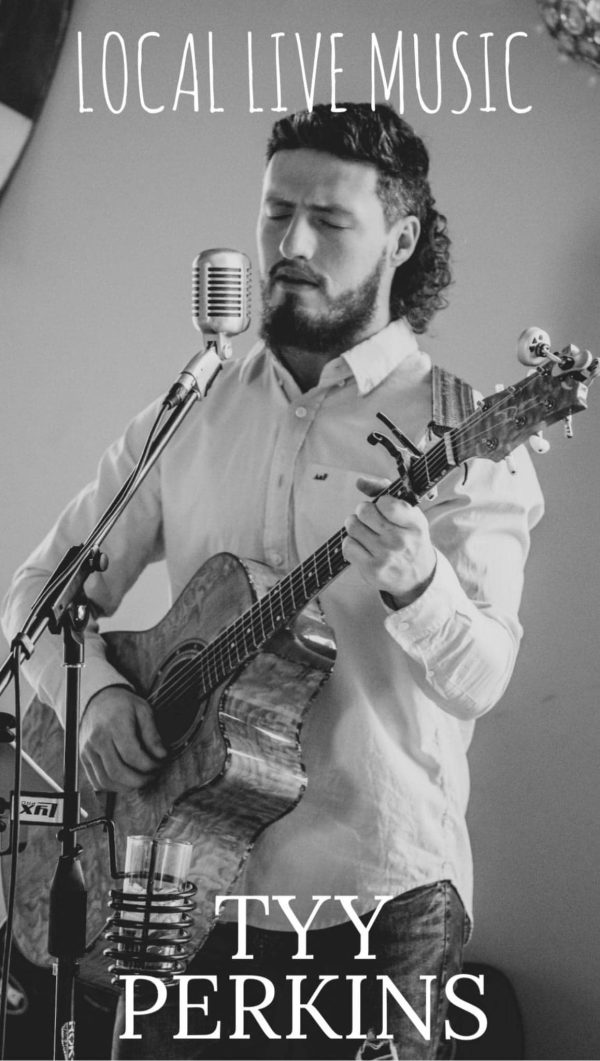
(329, 562)
(290, 585)
(248, 636)
(262, 617)
(334, 554)
(256, 634)
(281, 615)
(276, 608)
(268, 600)
(312, 576)
(421, 476)
(304, 587)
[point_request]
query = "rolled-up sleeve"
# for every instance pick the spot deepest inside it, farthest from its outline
(464, 632)
(140, 523)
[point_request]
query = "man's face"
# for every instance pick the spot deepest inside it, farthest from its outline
(327, 256)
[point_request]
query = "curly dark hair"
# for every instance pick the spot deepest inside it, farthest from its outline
(378, 135)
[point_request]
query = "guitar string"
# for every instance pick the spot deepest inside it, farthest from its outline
(215, 662)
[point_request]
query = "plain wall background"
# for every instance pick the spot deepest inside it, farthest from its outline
(97, 235)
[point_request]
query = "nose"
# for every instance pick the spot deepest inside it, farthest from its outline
(298, 240)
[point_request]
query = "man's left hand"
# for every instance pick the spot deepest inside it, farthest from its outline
(388, 541)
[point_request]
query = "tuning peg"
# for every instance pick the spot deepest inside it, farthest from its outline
(510, 464)
(568, 422)
(538, 443)
(533, 346)
(571, 357)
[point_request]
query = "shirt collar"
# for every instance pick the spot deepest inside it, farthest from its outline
(373, 360)
(370, 362)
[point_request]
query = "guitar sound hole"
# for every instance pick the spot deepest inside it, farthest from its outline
(178, 711)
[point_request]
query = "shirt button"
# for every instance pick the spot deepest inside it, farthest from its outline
(276, 559)
(300, 412)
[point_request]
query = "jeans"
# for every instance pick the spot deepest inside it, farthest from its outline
(417, 934)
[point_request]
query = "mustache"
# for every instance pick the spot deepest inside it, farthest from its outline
(293, 271)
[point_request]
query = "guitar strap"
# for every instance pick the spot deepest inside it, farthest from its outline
(452, 400)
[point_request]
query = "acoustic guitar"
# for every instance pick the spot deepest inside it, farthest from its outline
(231, 672)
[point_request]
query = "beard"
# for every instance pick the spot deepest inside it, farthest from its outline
(338, 327)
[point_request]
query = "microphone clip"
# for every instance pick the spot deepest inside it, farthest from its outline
(197, 377)
(222, 344)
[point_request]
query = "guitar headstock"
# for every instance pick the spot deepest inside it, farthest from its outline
(553, 391)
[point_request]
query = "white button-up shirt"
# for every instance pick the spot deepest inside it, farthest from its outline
(269, 473)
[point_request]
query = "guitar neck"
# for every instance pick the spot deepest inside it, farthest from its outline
(282, 603)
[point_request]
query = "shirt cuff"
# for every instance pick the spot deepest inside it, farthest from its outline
(437, 604)
(96, 674)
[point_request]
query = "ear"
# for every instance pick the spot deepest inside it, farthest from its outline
(404, 236)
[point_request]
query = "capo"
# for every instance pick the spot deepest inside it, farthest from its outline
(397, 452)
(375, 438)
(403, 439)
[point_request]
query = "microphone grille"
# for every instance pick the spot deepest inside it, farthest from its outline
(221, 295)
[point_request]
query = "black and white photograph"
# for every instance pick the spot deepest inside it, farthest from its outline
(299, 334)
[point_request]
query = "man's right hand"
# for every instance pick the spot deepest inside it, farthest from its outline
(120, 747)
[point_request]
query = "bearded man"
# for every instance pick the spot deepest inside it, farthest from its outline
(354, 262)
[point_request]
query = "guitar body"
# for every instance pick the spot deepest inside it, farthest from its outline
(235, 764)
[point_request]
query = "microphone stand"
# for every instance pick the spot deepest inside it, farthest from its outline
(62, 607)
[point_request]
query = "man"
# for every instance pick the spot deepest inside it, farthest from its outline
(353, 260)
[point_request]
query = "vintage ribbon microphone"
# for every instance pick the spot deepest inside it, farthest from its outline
(221, 292)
